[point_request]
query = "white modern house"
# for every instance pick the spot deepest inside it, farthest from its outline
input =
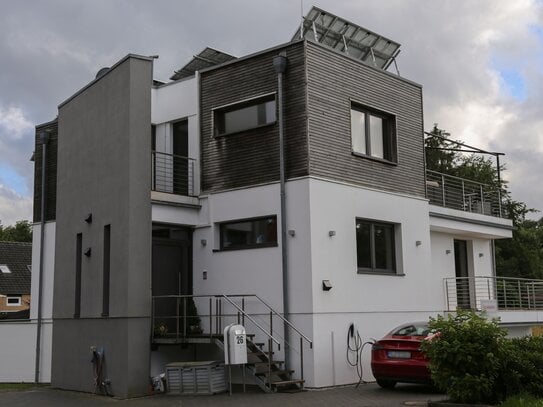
(285, 190)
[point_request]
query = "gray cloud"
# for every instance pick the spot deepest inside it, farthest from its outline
(49, 49)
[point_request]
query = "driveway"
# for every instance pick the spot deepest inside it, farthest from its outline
(367, 395)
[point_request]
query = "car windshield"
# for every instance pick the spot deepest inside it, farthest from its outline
(412, 330)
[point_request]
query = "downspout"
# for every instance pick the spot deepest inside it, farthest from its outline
(44, 138)
(280, 65)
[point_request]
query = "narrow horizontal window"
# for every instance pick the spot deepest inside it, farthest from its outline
(245, 115)
(375, 247)
(373, 133)
(13, 301)
(249, 233)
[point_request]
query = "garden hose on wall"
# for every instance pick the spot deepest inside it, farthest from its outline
(355, 346)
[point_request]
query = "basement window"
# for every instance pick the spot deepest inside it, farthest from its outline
(13, 301)
(241, 116)
(249, 233)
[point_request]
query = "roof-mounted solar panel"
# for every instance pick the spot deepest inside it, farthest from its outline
(351, 39)
(205, 59)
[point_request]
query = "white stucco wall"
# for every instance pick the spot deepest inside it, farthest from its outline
(48, 270)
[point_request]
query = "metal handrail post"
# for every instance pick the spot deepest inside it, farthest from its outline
(302, 362)
(210, 317)
(177, 319)
(243, 309)
(153, 317)
(184, 317)
(519, 294)
(443, 189)
(464, 196)
(447, 295)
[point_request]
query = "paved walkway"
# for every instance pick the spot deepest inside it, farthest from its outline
(368, 395)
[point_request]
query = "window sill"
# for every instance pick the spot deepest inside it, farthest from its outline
(258, 246)
(380, 273)
(379, 160)
(233, 133)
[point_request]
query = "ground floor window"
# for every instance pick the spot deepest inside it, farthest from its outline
(375, 247)
(249, 233)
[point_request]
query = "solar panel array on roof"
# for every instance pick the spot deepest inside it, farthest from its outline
(351, 39)
(205, 59)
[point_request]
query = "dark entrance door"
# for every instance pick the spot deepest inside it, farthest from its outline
(462, 275)
(180, 133)
(171, 275)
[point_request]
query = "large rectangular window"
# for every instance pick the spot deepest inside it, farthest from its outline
(373, 133)
(375, 247)
(249, 233)
(245, 115)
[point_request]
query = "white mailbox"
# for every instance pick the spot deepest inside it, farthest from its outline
(235, 345)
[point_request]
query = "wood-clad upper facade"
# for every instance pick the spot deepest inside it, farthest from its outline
(321, 87)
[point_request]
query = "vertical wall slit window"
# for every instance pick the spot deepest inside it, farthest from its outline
(245, 115)
(78, 264)
(375, 247)
(249, 233)
(106, 270)
(373, 133)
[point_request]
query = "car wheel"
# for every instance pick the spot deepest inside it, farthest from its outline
(386, 384)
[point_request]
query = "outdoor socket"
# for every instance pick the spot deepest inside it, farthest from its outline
(326, 285)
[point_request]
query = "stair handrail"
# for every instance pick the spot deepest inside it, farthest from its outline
(269, 335)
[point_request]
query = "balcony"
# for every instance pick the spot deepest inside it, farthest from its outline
(511, 294)
(173, 174)
(457, 193)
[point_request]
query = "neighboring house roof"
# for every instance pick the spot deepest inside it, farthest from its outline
(17, 256)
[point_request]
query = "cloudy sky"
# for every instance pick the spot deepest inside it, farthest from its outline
(480, 62)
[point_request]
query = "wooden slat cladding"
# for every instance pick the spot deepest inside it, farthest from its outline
(252, 156)
(333, 80)
(50, 171)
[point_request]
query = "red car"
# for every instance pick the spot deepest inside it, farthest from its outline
(398, 358)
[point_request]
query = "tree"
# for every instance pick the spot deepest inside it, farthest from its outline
(20, 232)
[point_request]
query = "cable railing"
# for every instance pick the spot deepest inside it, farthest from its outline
(186, 318)
(465, 195)
(173, 174)
(509, 293)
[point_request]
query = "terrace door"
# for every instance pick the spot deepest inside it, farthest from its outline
(180, 149)
(171, 276)
(461, 268)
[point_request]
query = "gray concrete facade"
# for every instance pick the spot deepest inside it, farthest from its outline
(104, 169)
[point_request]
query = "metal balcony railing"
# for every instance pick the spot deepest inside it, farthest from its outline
(510, 293)
(465, 195)
(173, 174)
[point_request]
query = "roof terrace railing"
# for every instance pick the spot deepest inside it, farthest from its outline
(465, 195)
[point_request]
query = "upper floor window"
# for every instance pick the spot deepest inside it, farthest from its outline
(249, 233)
(375, 247)
(245, 115)
(373, 133)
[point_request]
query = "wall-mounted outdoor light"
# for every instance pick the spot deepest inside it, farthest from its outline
(481, 254)
(418, 243)
(332, 233)
(326, 285)
(204, 275)
(88, 218)
(204, 242)
(448, 251)
(88, 252)
(292, 232)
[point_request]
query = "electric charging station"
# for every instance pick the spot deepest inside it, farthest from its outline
(235, 350)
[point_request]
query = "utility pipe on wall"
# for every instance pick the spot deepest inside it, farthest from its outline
(280, 65)
(44, 138)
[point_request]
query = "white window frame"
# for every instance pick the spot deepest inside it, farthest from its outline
(18, 304)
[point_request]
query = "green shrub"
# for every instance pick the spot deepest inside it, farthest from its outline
(522, 370)
(522, 401)
(466, 357)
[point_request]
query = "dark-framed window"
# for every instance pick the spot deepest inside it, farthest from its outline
(375, 247)
(373, 133)
(245, 115)
(249, 233)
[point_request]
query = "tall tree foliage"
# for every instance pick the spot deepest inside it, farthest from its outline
(521, 256)
(20, 232)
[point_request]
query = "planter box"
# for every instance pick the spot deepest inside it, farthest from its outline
(195, 377)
